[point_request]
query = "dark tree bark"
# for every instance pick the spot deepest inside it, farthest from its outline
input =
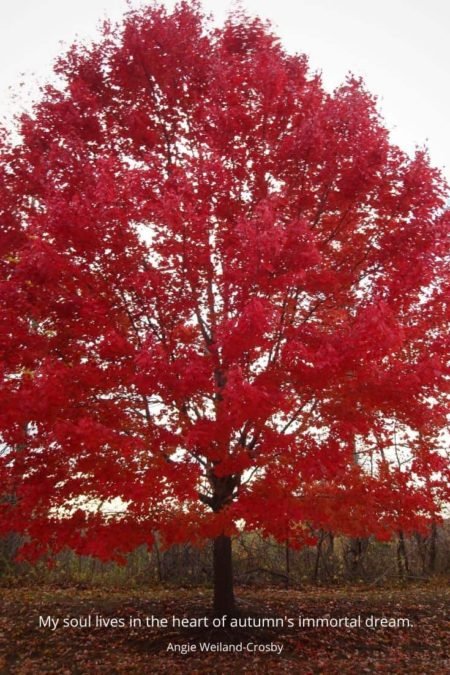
(222, 494)
(318, 556)
(421, 543)
(224, 602)
(158, 562)
(354, 556)
(432, 549)
(402, 556)
(288, 563)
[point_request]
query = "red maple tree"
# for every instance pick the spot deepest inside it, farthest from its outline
(224, 300)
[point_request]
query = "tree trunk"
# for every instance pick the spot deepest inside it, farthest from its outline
(356, 550)
(318, 556)
(402, 556)
(223, 577)
(288, 563)
(433, 549)
(158, 561)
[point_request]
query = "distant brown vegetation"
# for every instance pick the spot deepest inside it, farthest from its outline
(257, 561)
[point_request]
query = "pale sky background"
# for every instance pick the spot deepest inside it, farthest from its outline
(400, 47)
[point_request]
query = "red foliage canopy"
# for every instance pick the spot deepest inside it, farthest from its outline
(224, 299)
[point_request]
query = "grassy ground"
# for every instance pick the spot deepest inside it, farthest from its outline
(26, 648)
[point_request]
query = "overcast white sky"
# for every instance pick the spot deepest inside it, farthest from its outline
(400, 47)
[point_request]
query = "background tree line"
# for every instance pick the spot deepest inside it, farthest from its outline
(257, 561)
